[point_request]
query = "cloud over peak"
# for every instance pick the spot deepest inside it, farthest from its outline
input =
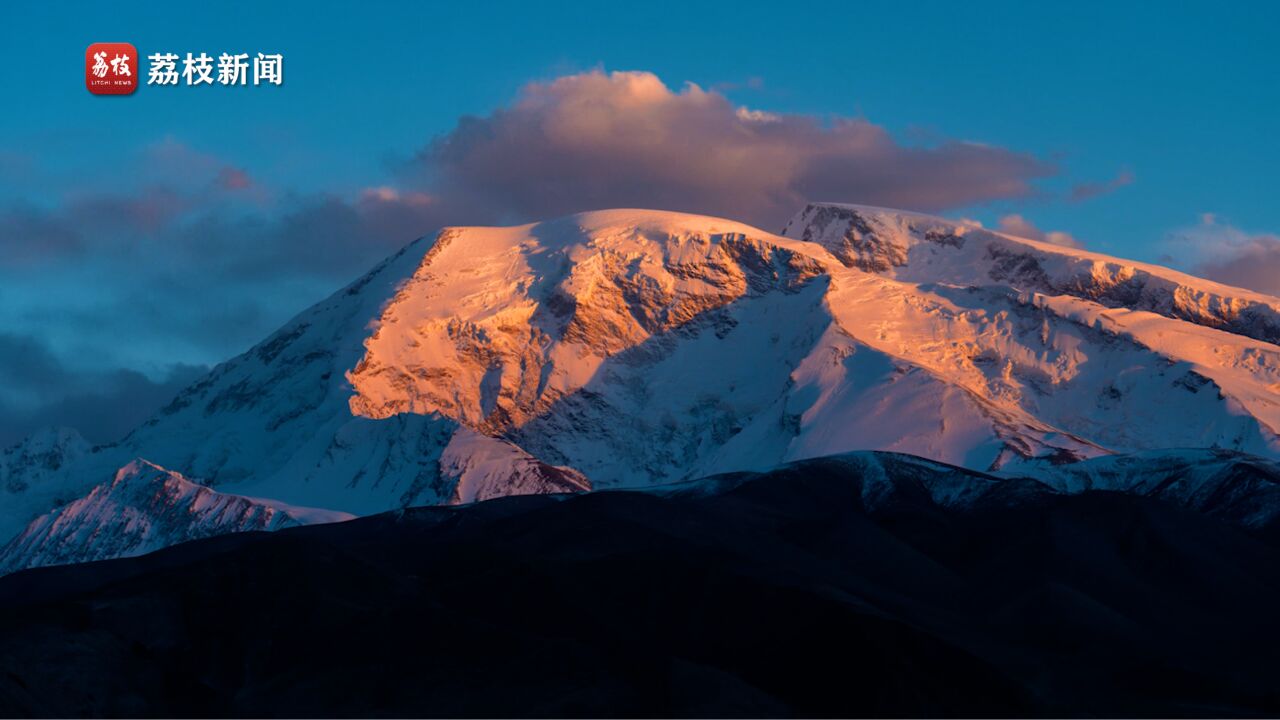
(625, 139)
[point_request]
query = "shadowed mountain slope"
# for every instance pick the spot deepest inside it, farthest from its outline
(869, 584)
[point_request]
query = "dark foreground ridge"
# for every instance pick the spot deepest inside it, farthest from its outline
(842, 586)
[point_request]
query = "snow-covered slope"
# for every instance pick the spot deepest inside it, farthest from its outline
(36, 474)
(144, 508)
(921, 248)
(645, 347)
(1126, 355)
(42, 454)
(1242, 489)
(633, 347)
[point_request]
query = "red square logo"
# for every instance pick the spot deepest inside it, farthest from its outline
(111, 68)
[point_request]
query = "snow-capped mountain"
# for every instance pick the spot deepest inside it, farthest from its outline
(145, 508)
(628, 348)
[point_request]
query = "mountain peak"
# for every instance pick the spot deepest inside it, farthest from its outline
(498, 324)
(630, 348)
(145, 507)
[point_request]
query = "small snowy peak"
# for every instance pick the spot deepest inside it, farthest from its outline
(922, 248)
(145, 507)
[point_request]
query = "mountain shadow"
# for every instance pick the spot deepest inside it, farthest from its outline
(863, 585)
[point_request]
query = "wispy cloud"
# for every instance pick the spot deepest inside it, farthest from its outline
(1021, 227)
(1088, 190)
(1225, 253)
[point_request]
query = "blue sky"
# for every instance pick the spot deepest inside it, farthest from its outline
(1179, 103)
(1185, 96)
